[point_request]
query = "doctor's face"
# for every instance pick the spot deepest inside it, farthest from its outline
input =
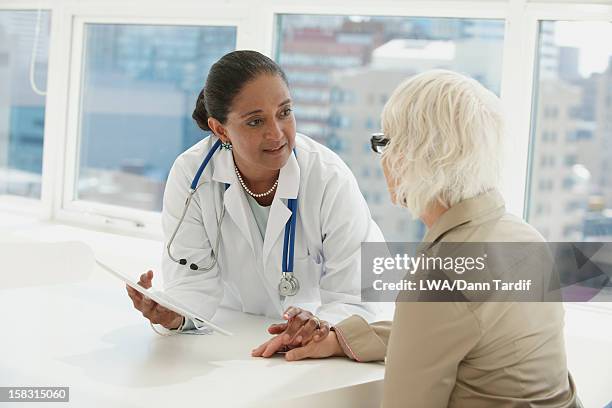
(260, 124)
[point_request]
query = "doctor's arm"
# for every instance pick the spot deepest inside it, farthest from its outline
(346, 222)
(199, 290)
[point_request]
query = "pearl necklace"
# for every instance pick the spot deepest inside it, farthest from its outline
(252, 194)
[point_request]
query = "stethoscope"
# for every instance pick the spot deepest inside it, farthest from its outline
(289, 284)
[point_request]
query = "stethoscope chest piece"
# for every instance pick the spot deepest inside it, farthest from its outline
(288, 285)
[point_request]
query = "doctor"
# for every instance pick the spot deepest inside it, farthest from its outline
(231, 246)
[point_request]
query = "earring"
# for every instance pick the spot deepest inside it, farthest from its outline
(226, 146)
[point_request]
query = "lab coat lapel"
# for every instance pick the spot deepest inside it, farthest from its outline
(288, 186)
(235, 201)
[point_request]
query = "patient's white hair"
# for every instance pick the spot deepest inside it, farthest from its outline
(445, 132)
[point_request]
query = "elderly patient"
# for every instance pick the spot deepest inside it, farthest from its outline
(441, 159)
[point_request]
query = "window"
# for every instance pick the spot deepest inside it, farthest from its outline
(582, 134)
(575, 74)
(573, 205)
(551, 111)
(140, 84)
(22, 106)
(547, 161)
(546, 185)
(362, 59)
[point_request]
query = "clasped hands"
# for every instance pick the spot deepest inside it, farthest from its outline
(302, 336)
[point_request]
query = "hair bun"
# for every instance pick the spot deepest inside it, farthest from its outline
(200, 115)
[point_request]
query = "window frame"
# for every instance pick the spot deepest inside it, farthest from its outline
(104, 216)
(510, 12)
(40, 207)
(534, 14)
(256, 25)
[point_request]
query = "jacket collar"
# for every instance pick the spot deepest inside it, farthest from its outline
(475, 210)
(238, 208)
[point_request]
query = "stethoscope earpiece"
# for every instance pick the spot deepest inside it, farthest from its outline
(183, 261)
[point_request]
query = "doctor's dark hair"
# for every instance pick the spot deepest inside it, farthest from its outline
(225, 80)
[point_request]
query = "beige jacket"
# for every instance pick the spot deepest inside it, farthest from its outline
(465, 354)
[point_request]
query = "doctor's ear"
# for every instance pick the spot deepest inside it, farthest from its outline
(218, 129)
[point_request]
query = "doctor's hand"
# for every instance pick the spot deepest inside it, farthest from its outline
(156, 313)
(301, 328)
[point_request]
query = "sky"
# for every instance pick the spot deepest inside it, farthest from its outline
(590, 37)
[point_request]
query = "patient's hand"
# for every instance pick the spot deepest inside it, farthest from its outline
(327, 347)
(150, 309)
(301, 328)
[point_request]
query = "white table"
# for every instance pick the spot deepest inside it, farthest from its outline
(87, 336)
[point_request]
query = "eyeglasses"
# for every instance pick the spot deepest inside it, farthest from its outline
(378, 141)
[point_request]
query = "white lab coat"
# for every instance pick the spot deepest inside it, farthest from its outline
(332, 221)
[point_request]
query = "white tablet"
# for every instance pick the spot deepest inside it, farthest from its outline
(166, 302)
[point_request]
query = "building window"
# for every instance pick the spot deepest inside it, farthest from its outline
(568, 183)
(582, 134)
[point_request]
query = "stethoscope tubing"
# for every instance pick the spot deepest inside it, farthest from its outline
(289, 238)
